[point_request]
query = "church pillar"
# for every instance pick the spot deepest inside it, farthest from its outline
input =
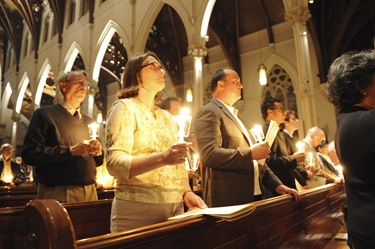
(297, 14)
(16, 117)
(198, 52)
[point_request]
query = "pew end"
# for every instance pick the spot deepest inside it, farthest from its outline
(45, 223)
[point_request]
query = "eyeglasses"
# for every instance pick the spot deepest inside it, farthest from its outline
(279, 108)
(82, 83)
(154, 66)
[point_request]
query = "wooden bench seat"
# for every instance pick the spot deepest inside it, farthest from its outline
(278, 222)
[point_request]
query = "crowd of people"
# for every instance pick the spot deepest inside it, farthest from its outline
(152, 167)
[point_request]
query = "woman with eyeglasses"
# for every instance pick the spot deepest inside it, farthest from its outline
(143, 153)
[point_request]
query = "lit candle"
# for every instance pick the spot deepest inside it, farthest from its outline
(183, 122)
(339, 169)
(195, 162)
(93, 130)
(8, 178)
(300, 146)
(99, 118)
(257, 132)
(310, 157)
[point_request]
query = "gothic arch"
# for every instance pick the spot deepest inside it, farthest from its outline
(21, 92)
(71, 56)
(145, 27)
(43, 75)
(4, 102)
(288, 87)
(110, 29)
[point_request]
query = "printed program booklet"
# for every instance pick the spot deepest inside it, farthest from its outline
(228, 213)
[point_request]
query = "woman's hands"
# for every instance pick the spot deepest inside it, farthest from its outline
(177, 153)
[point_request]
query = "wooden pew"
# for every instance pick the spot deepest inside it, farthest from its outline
(10, 218)
(88, 219)
(19, 190)
(20, 196)
(278, 222)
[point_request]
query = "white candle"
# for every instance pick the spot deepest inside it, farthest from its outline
(257, 132)
(310, 157)
(300, 146)
(93, 129)
(183, 122)
(195, 162)
(99, 118)
(8, 178)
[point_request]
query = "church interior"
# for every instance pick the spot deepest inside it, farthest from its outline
(293, 42)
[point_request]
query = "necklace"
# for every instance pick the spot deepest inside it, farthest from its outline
(363, 104)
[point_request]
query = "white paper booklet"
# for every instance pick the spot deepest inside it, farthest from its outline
(228, 213)
(273, 129)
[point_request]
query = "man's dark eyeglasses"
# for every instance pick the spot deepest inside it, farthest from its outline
(154, 66)
(279, 108)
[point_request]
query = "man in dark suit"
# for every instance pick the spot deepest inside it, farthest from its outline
(230, 174)
(283, 159)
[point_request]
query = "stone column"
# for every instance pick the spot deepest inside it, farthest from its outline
(198, 52)
(16, 117)
(297, 13)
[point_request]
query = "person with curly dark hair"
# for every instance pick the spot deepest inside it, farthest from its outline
(351, 88)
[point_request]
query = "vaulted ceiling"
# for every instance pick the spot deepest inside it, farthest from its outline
(335, 27)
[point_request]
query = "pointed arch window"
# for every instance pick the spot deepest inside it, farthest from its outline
(280, 86)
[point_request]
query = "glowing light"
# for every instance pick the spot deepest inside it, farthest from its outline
(262, 74)
(93, 130)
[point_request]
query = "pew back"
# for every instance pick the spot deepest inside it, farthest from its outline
(20, 196)
(10, 218)
(278, 222)
(87, 218)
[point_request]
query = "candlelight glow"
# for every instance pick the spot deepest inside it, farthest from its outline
(104, 178)
(8, 178)
(184, 123)
(189, 95)
(339, 169)
(310, 158)
(257, 133)
(195, 162)
(300, 146)
(99, 118)
(93, 130)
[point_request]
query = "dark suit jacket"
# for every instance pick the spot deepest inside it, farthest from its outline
(228, 170)
(299, 172)
(281, 161)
